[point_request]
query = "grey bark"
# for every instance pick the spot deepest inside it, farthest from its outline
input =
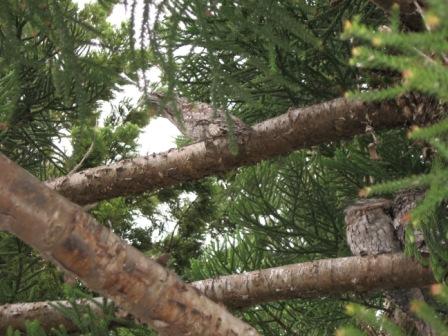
(199, 121)
(375, 227)
(298, 128)
(327, 277)
(71, 239)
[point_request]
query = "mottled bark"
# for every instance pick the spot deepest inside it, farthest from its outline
(410, 12)
(68, 237)
(404, 202)
(311, 279)
(298, 128)
(317, 278)
(370, 229)
(198, 121)
(15, 315)
(373, 226)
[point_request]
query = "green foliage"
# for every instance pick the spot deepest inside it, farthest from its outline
(371, 318)
(257, 59)
(57, 65)
(53, 75)
(378, 322)
(418, 57)
(290, 210)
(191, 209)
(24, 275)
(429, 315)
(421, 60)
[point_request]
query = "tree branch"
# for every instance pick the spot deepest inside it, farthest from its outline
(298, 128)
(68, 237)
(317, 278)
(310, 279)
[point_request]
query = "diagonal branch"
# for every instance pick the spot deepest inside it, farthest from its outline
(68, 237)
(310, 279)
(317, 278)
(298, 128)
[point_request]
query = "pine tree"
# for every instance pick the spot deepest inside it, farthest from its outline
(254, 59)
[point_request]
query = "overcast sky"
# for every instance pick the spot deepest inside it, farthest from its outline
(160, 134)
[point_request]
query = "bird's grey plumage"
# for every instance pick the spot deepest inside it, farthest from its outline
(200, 121)
(370, 228)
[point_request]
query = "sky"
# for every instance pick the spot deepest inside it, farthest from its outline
(158, 136)
(160, 133)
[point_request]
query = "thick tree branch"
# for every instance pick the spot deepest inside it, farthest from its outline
(298, 128)
(317, 278)
(15, 315)
(68, 237)
(311, 279)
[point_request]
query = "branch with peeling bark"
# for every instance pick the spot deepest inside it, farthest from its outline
(68, 237)
(298, 128)
(311, 279)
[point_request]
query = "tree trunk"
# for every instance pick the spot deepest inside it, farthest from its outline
(311, 279)
(298, 128)
(68, 237)
(376, 226)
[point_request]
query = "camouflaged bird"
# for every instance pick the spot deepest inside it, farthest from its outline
(200, 121)
(375, 226)
(370, 229)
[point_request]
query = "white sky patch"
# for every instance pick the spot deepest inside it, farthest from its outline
(82, 3)
(160, 134)
(119, 14)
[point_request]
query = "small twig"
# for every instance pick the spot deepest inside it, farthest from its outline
(426, 57)
(420, 11)
(86, 155)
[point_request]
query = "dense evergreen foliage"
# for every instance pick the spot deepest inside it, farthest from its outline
(256, 58)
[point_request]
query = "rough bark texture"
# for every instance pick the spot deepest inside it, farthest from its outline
(298, 128)
(199, 121)
(315, 279)
(310, 279)
(404, 202)
(370, 231)
(15, 315)
(410, 12)
(68, 237)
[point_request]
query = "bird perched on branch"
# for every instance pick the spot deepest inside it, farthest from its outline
(370, 229)
(375, 226)
(198, 121)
